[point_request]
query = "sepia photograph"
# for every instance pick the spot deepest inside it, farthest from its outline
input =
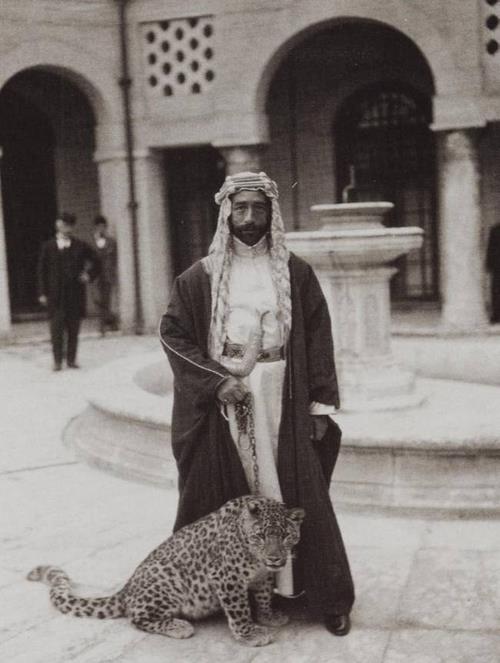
(250, 331)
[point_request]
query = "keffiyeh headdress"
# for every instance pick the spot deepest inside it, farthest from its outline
(220, 256)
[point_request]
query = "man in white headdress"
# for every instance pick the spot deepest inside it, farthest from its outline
(248, 336)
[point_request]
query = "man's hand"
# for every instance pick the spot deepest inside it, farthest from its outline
(84, 277)
(319, 426)
(43, 300)
(231, 391)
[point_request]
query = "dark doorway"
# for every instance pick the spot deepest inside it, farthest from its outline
(383, 138)
(28, 193)
(193, 177)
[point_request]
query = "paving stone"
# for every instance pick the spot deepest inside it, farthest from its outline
(381, 575)
(475, 535)
(306, 643)
(439, 577)
(453, 589)
(418, 646)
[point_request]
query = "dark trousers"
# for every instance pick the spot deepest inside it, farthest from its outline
(495, 296)
(64, 326)
(106, 316)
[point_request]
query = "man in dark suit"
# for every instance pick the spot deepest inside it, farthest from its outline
(493, 266)
(65, 266)
(105, 247)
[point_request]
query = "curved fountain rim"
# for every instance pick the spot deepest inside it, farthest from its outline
(115, 392)
(361, 208)
(382, 233)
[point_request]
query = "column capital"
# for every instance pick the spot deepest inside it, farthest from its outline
(101, 156)
(242, 157)
(459, 144)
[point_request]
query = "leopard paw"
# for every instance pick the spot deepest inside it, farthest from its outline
(179, 628)
(256, 636)
(274, 618)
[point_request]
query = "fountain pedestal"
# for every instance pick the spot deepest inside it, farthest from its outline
(350, 255)
(432, 459)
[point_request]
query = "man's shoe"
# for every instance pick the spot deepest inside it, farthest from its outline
(338, 624)
(73, 364)
(56, 367)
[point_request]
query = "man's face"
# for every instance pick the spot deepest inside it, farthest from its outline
(250, 216)
(63, 228)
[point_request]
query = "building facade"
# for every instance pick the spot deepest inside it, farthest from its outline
(393, 99)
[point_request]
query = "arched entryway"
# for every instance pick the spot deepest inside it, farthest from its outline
(327, 81)
(28, 192)
(47, 141)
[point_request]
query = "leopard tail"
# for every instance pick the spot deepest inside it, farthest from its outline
(63, 598)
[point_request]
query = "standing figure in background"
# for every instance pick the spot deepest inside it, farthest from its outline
(105, 247)
(493, 266)
(248, 335)
(65, 266)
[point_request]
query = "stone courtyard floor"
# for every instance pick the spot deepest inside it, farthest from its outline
(428, 590)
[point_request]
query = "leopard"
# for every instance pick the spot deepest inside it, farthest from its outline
(226, 560)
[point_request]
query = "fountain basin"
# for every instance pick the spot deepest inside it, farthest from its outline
(126, 426)
(436, 458)
(354, 249)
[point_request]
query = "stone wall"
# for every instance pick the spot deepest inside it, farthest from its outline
(249, 42)
(230, 107)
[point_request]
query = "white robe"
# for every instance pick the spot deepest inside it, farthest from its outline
(252, 293)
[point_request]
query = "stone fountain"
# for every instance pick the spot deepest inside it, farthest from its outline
(429, 459)
(352, 254)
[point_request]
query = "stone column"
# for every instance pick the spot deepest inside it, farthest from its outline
(114, 195)
(5, 325)
(242, 157)
(462, 264)
(154, 263)
(154, 245)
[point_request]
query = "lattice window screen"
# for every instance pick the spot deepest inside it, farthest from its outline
(178, 56)
(491, 13)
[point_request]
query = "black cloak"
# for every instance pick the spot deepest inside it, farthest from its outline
(210, 471)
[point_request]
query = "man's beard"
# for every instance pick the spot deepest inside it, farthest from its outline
(249, 230)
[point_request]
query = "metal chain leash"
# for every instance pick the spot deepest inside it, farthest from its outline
(246, 427)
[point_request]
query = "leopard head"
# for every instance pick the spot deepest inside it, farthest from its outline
(270, 530)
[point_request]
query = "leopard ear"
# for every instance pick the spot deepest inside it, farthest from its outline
(254, 507)
(297, 515)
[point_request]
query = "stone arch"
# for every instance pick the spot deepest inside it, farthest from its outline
(409, 21)
(56, 174)
(88, 72)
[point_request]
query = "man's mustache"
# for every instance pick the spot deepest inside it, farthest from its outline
(247, 227)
